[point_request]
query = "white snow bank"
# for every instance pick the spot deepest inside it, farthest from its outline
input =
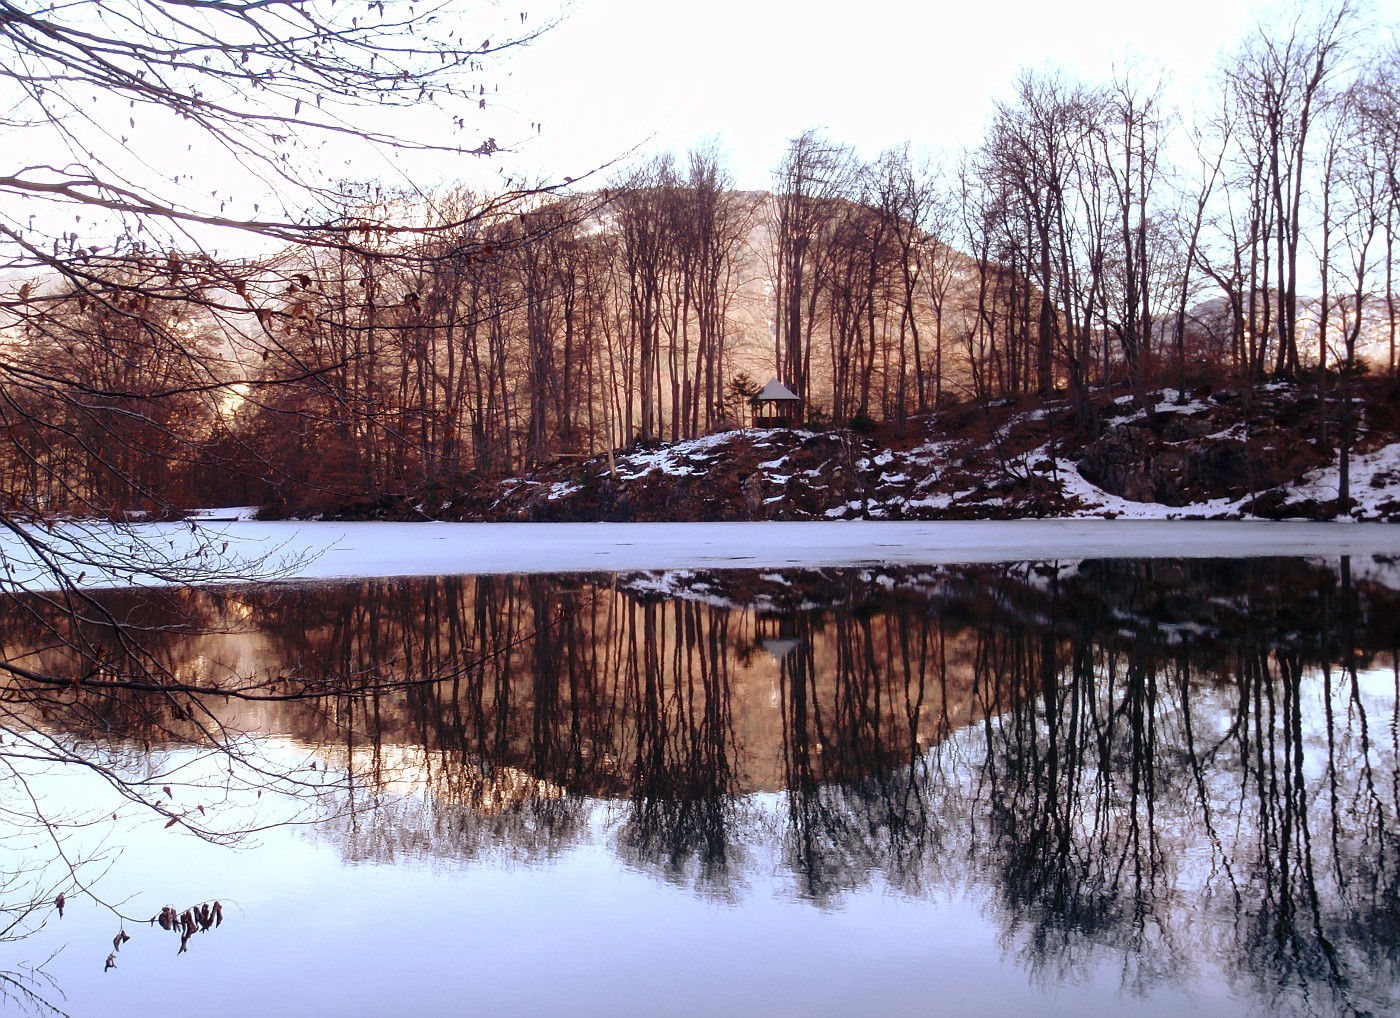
(1375, 480)
(673, 460)
(1375, 488)
(226, 514)
(183, 552)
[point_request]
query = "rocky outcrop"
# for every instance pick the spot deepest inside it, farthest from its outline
(1138, 465)
(1184, 458)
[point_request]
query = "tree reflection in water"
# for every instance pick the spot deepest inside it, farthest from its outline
(1173, 764)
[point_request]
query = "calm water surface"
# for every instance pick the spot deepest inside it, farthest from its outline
(1135, 787)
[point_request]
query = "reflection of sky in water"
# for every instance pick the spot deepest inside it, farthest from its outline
(582, 934)
(556, 901)
(588, 931)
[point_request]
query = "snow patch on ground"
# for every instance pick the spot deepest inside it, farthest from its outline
(1375, 481)
(672, 459)
(1375, 484)
(1097, 502)
(226, 514)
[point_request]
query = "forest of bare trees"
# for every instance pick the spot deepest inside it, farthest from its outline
(1095, 239)
(327, 344)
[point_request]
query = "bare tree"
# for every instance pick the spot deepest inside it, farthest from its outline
(813, 178)
(114, 302)
(640, 209)
(1189, 230)
(100, 215)
(1044, 152)
(716, 226)
(1133, 132)
(1361, 176)
(1281, 83)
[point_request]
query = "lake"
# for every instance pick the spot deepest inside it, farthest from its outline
(1150, 787)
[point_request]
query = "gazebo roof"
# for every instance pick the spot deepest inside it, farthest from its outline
(776, 390)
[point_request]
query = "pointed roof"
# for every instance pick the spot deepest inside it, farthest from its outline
(776, 390)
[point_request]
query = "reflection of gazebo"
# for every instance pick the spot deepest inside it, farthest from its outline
(777, 406)
(779, 649)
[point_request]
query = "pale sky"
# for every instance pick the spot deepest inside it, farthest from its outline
(617, 74)
(620, 76)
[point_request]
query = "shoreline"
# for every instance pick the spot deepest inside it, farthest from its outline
(165, 554)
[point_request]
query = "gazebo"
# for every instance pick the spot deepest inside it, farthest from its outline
(777, 406)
